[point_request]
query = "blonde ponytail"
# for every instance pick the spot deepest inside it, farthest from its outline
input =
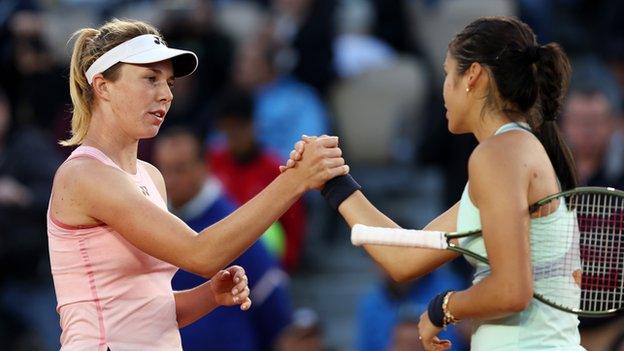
(80, 90)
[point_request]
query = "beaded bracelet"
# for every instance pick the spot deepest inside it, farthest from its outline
(448, 316)
(438, 312)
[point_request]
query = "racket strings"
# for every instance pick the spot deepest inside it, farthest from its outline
(580, 265)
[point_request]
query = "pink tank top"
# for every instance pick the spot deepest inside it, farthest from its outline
(111, 294)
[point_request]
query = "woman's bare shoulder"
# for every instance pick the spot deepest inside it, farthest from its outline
(508, 149)
(82, 186)
(506, 158)
(82, 170)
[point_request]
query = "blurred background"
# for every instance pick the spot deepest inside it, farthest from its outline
(369, 71)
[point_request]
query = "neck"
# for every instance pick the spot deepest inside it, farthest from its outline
(489, 123)
(104, 135)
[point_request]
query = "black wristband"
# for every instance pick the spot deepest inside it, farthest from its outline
(434, 310)
(339, 189)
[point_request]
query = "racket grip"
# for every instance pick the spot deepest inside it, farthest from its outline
(362, 234)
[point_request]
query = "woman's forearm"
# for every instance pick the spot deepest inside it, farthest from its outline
(235, 233)
(194, 303)
(401, 263)
(491, 298)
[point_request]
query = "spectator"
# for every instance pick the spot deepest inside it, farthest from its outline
(381, 310)
(304, 30)
(304, 334)
(196, 197)
(356, 50)
(245, 167)
(284, 107)
(38, 92)
(26, 291)
(192, 25)
(392, 24)
(581, 26)
(589, 123)
(405, 333)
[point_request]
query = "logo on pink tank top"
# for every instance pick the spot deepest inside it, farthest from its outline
(144, 190)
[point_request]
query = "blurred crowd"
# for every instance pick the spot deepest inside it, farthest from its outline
(369, 71)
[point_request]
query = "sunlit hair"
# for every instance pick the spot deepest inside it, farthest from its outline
(89, 45)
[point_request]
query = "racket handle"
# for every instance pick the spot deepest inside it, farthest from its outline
(362, 234)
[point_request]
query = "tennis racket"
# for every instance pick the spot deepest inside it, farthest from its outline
(578, 267)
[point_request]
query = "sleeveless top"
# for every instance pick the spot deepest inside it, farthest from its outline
(539, 326)
(111, 294)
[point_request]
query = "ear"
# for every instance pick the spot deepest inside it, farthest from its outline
(474, 72)
(100, 87)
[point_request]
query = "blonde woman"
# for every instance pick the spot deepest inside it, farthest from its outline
(113, 245)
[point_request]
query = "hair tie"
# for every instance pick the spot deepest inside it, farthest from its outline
(532, 54)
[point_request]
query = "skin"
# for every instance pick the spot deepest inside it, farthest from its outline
(507, 172)
(122, 114)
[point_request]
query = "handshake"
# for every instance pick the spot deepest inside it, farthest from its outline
(318, 163)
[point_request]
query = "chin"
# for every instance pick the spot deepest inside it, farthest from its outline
(450, 125)
(455, 129)
(453, 125)
(148, 134)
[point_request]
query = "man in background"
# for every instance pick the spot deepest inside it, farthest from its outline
(196, 197)
(590, 123)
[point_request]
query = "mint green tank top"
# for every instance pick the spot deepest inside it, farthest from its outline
(539, 327)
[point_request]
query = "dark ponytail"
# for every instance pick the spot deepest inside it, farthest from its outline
(552, 78)
(530, 80)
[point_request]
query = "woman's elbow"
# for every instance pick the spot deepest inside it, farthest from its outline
(204, 260)
(201, 265)
(518, 300)
(400, 274)
(398, 277)
(516, 305)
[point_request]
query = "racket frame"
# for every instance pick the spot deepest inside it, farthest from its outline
(585, 190)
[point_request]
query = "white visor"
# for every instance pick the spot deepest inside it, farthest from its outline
(147, 48)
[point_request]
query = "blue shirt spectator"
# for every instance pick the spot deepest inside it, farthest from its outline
(379, 310)
(286, 109)
(199, 201)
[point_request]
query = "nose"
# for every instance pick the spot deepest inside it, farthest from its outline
(165, 93)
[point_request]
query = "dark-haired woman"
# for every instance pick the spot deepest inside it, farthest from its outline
(506, 89)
